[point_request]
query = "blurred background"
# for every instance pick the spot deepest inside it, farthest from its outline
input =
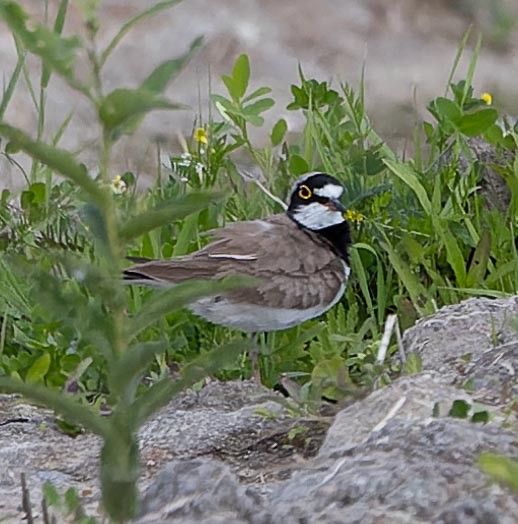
(407, 47)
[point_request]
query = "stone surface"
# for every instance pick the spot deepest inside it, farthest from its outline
(472, 344)
(413, 398)
(230, 454)
(238, 422)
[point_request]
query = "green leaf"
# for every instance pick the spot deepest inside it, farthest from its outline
(259, 107)
(459, 409)
(415, 288)
(453, 252)
(147, 13)
(473, 124)
(257, 93)
(58, 28)
(240, 76)
(155, 83)
(50, 493)
(447, 109)
(298, 166)
(331, 377)
(480, 417)
(359, 271)
(121, 106)
(187, 233)
(167, 71)
(39, 369)
(278, 132)
(60, 160)
(409, 177)
(181, 295)
(167, 212)
(63, 404)
(500, 468)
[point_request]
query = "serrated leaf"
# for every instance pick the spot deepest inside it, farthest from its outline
(206, 364)
(63, 404)
(39, 369)
(278, 132)
(134, 362)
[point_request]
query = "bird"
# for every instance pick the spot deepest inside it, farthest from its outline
(300, 260)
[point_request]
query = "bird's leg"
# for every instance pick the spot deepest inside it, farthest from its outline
(253, 355)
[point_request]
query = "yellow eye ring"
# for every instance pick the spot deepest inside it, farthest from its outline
(305, 192)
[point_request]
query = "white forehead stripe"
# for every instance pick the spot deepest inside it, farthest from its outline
(329, 191)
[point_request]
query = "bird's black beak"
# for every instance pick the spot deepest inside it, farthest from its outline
(335, 205)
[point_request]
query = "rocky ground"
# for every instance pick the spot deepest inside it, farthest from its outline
(394, 456)
(407, 46)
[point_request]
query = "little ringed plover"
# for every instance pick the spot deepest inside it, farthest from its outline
(300, 259)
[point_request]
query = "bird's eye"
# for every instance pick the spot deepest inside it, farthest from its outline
(305, 192)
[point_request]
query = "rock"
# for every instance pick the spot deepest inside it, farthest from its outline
(230, 453)
(413, 398)
(200, 490)
(238, 422)
(472, 344)
(407, 472)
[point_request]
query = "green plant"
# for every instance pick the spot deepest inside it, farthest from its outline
(85, 294)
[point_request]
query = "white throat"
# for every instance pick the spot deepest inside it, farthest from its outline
(317, 216)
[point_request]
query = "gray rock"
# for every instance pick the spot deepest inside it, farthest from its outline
(200, 490)
(407, 472)
(472, 344)
(413, 398)
(391, 457)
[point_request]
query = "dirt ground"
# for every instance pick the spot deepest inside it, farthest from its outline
(407, 46)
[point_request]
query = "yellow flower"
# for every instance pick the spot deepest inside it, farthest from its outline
(118, 185)
(488, 99)
(353, 216)
(200, 135)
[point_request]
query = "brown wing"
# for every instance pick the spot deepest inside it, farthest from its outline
(296, 267)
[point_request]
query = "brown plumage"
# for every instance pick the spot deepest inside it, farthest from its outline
(299, 258)
(290, 276)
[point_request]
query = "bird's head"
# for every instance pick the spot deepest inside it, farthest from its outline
(314, 202)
